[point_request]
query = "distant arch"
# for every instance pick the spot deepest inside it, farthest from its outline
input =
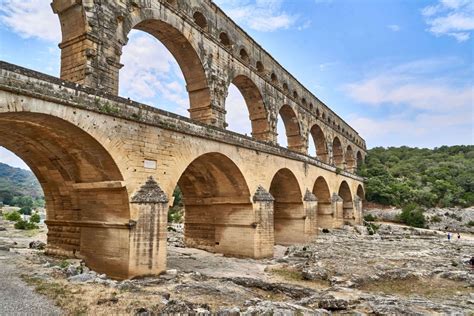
(200, 20)
(319, 142)
(257, 111)
(292, 129)
(337, 153)
(361, 192)
(350, 159)
(288, 208)
(360, 159)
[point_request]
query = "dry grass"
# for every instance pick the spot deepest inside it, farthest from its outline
(435, 288)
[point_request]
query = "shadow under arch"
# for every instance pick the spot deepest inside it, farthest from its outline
(325, 211)
(348, 205)
(258, 113)
(82, 184)
(292, 129)
(350, 159)
(188, 60)
(218, 209)
(289, 213)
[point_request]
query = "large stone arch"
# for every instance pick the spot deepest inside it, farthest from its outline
(348, 205)
(99, 64)
(325, 211)
(258, 113)
(292, 129)
(337, 153)
(289, 213)
(86, 200)
(319, 142)
(218, 207)
(187, 57)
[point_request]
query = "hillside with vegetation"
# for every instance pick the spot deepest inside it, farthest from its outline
(16, 183)
(441, 177)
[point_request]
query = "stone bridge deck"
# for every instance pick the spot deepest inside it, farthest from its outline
(107, 166)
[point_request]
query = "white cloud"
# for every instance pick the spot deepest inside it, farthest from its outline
(394, 27)
(31, 18)
(151, 74)
(451, 17)
(237, 113)
(413, 109)
(260, 15)
(416, 85)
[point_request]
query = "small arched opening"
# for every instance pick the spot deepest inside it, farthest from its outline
(200, 20)
(337, 153)
(224, 39)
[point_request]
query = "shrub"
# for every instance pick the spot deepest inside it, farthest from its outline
(35, 218)
(411, 215)
(175, 215)
(25, 210)
(370, 218)
(13, 216)
(436, 219)
(470, 223)
(22, 224)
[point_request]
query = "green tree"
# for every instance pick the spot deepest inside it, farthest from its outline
(35, 218)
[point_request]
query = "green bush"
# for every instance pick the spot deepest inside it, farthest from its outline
(470, 224)
(370, 218)
(22, 224)
(13, 216)
(413, 216)
(436, 219)
(35, 218)
(175, 215)
(25, 210)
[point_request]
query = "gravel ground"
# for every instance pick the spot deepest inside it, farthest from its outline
(16, 297)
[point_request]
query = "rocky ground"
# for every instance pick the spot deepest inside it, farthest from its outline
(399, 270)
(445, 219)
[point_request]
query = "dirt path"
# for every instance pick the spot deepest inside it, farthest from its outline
(16, 297)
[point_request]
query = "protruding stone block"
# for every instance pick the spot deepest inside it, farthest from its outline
(148, 236)
(310, 203)
(264, 223)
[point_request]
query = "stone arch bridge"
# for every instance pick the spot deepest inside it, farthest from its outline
(107, 165)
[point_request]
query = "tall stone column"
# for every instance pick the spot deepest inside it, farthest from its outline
(148, 236)
(264, 228)
(310, 203)
(338, 210)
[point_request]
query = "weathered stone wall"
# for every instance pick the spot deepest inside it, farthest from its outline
(212, 52)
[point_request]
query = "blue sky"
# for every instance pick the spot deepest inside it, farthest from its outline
(399, 71)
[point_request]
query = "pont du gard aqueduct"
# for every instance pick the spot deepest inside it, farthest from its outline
(108, 165)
